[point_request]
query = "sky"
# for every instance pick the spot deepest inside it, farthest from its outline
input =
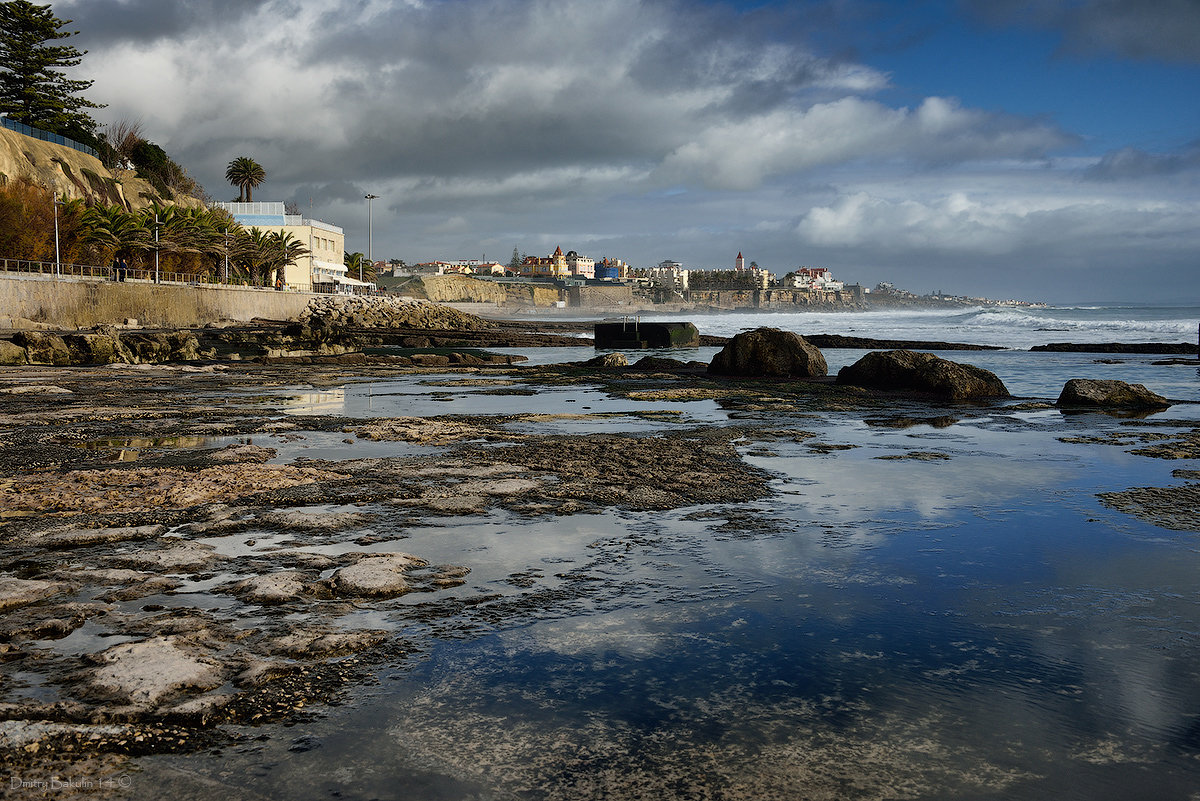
(1032, 149)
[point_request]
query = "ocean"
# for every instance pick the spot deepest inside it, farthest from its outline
(942, 608)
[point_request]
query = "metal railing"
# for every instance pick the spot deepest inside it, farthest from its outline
(48, 270)
(45, 136)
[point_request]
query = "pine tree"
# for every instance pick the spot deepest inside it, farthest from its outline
(33, 88)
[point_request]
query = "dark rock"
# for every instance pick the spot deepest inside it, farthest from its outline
(42, 348)
(1109, 394)
(1117, 347)
(922, 372)
(769, 352)
(11, 353)
(607, 360)
(467, 359)
(659, 363)
(147, 348)
(93, 349)
(430, 359)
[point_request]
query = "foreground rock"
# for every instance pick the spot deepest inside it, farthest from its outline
(1089, 393)
(922, 372)
(769, 352)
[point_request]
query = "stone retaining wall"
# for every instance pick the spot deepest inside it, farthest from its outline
(77, 304)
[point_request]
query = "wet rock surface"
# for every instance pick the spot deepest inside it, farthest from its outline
(1096, 394)
(922, 372)
(769, 352)
(264, 584)
(164, 577)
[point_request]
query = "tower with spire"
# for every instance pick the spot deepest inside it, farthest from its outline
(740, 263)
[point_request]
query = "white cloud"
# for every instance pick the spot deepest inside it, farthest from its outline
(652, 129)
(743, 153)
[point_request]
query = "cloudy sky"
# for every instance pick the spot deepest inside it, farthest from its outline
(1040, 149)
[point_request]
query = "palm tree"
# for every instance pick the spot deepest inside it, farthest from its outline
(245, 173)
(357, 265)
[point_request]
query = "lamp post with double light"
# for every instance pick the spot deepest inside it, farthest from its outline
(370, 253)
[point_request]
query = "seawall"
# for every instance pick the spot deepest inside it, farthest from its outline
(77, 304)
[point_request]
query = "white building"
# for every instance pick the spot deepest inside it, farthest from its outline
(815, 278)
(326, 243)
(670, 274)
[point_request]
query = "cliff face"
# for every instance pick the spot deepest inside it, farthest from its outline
(461, 289)
(70, 172)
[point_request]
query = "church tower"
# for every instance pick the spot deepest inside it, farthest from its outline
(740, 264)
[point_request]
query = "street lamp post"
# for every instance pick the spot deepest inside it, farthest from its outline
(227, 255)
(156, 223)
(370, 254)
(57, 256)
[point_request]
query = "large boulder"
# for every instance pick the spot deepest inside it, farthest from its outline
(154, 348)
(93, 348)
(41, 348)
(1088, 393)
(11, 353)
(922, 372)
(769, 352)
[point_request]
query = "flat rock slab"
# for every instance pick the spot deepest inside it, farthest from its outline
(143, 673)
(148, 488)
(319, 644)
(294, 520)
(274, 588)
(417, 429)
(376, 576)
(95, 536)
(17, 592)
(181, 557)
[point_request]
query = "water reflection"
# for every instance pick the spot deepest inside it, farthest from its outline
(977, 626)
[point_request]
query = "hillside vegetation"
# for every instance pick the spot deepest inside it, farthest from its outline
(77, 175)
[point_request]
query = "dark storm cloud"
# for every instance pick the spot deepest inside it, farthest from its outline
(1158, 30)
(104, 23)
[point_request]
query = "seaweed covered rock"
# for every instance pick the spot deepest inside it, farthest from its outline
(1097, 394)
(41, 348)
(910, 371)
(769, 352)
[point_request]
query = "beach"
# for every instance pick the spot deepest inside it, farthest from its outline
(543, 580)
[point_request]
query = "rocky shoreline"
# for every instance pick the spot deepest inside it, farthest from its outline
(165, 582)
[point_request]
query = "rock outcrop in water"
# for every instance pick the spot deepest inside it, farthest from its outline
(922, 372)
(1089, 393)
(769, 352)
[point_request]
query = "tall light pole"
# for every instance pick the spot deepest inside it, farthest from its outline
(227, 255)
(370, 254)
(57, 257)
(156, 247)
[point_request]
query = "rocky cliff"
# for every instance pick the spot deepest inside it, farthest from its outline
(75, 174)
